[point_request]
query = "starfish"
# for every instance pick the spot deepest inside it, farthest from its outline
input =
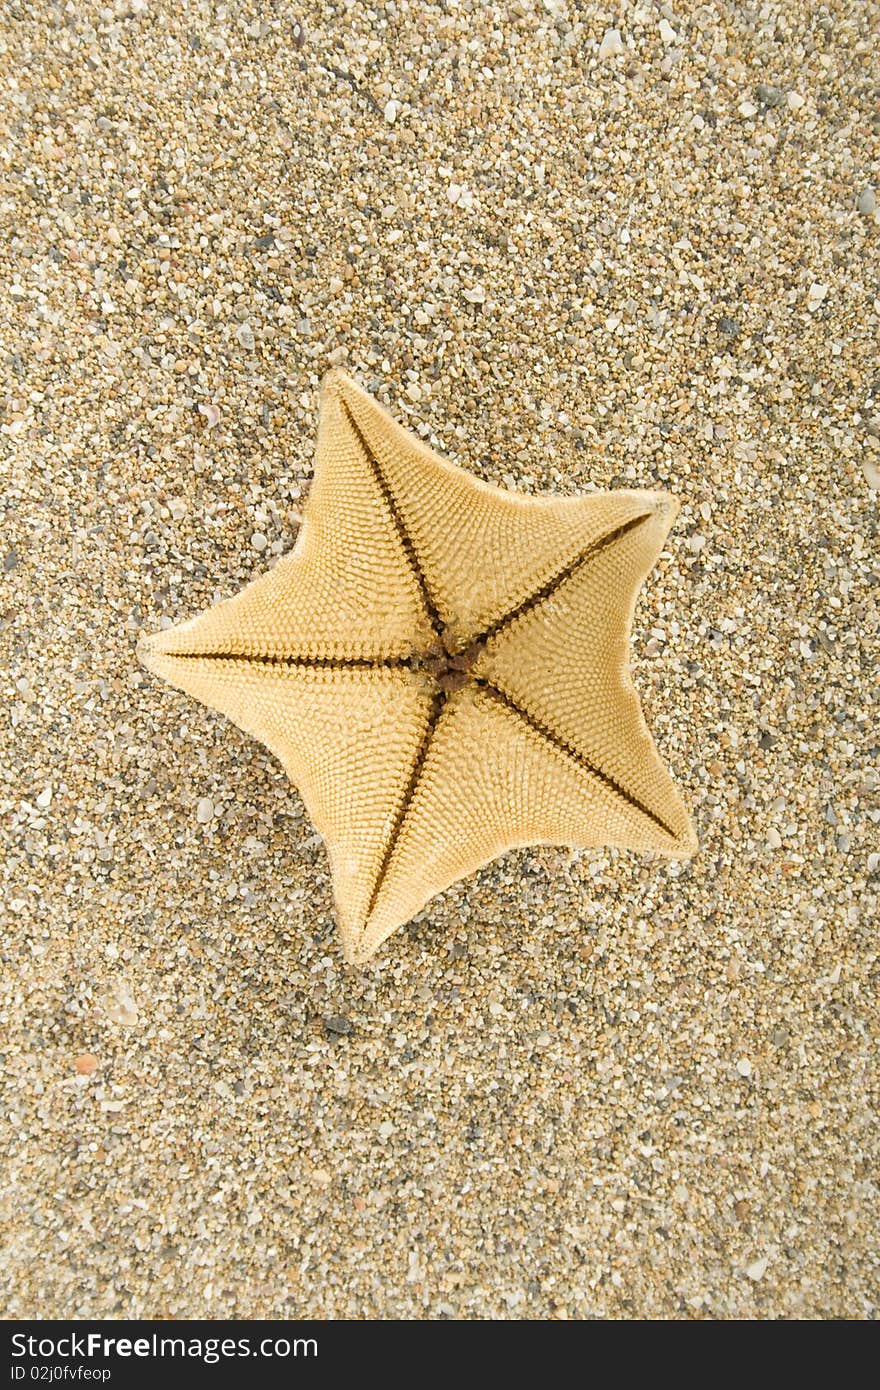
(441, 667)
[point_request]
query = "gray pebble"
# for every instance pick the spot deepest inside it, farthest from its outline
(770, 96)
(339, 1024)
(867, 200)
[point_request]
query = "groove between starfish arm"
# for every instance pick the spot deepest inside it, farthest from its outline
(562, 745)
(438, 705)
(550, 586)
(313, 663)
(407, 543)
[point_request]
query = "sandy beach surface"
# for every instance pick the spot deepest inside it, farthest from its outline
(575, 246)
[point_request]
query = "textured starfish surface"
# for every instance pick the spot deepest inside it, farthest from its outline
(441, 667)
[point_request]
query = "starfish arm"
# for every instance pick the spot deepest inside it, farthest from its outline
(347, 590)
(492, 781)
(347, 738)
(562, 666)
(483, 551)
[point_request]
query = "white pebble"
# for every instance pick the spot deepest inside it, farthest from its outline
(748, 109)
(866, 202)
(795, 101)
(391, 110)
(774, 839)
(205, 810)
(414, 390)
(477, 295)
(815, 295)
(259, 541)
(872, 474)
(45, 797)
(744, 1066)
(758, 1269)
(211, 414)
(667, 33)
(121, 1007)
(245, 335)
(612, 44)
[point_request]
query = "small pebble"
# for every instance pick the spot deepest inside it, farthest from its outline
(744, 1066)
(612, 44)
(339, 1024)
(391, 111)
(259, 541)
(245, 335)
(121, 1008)
(816, 295)
(204, 810)
(757, 1269)
(211, 414)
(866, 203)
(770, 96)
(774, 839)
(85, 1063)
(10, 560)
(667, 33)
(45, 797)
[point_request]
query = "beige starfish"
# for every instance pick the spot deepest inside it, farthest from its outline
(441, 668)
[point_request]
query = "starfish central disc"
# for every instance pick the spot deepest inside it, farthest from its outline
(449, 665)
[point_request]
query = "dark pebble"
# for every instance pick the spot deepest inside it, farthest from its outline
(337, 1023)
(770, 96)
(10, 560)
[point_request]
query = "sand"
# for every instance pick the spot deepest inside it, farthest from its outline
(588, 1084)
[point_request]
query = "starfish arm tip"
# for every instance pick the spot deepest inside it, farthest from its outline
(666, 507)
(146, 650)
(334, 381)
(686, 844)
(357, 950)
